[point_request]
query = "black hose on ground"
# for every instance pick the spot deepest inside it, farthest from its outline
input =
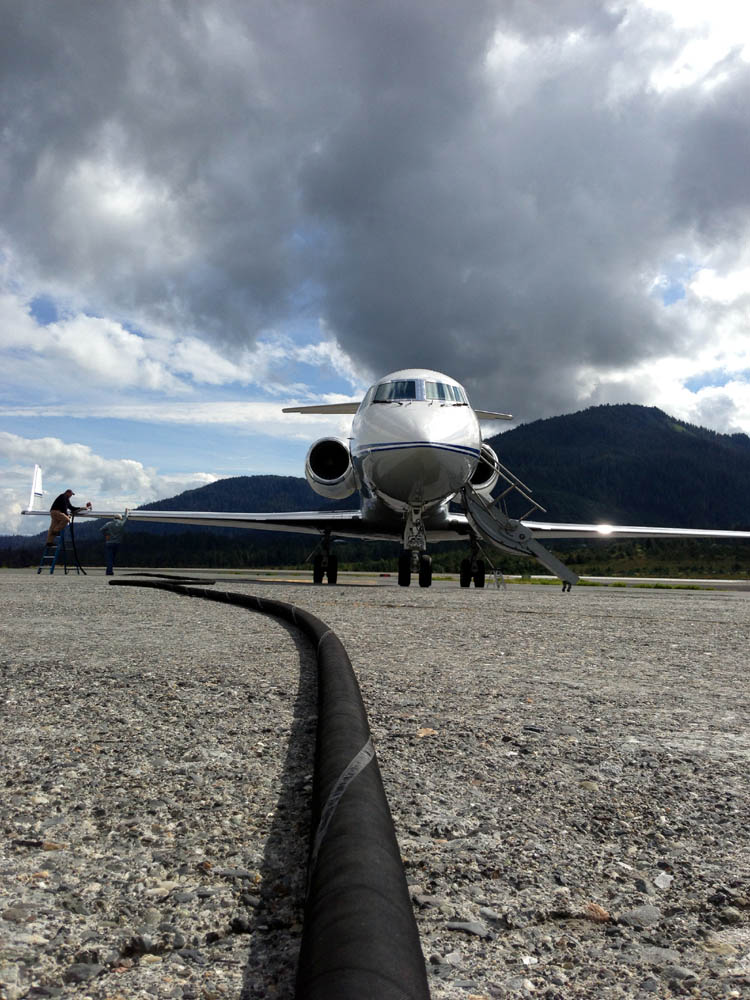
(204, 581)
(359, 939)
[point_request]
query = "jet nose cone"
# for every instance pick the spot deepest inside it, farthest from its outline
(420, 474)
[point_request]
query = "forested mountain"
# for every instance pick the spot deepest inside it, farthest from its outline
(633, 465)
(620, 463)
(245, 493)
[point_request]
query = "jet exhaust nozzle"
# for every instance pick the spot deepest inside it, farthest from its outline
(329, 469)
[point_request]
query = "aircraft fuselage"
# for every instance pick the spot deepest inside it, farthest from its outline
(415, 440)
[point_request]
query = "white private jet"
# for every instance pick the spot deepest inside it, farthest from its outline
(415, 446)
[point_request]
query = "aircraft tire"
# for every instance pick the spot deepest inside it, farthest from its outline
(333, 569)
(318, 569)
(479, 573)
(464, 576)
(404, 569)
(425, 570)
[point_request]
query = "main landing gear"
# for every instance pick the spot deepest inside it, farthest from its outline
(325, 563)
(472, 568)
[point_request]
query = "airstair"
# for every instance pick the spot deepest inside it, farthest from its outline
(490, 521)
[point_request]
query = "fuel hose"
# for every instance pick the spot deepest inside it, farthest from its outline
(75, 550)
(359, 936)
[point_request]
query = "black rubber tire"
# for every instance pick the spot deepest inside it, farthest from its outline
(333, 569)
(318, 569)
(425, 570)
(404, 569)
(479, 573)
(464, 577)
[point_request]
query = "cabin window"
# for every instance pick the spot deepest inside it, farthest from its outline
(400, 389)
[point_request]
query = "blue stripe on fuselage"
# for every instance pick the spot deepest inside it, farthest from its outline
(403, 445)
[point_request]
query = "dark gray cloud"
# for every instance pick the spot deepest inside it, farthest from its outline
(486, 189)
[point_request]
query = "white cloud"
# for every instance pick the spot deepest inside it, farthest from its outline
(103, 350)
(724, 289)
(329, 353)
(83, 356)
(724, 408)
(108, 483)
(243, 417)
(709, 33)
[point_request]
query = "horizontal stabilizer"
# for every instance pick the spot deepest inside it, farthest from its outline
(324, 408)
(491, 415)
(351, 408)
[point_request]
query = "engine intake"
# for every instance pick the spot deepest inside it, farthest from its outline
(486, 474)
(329, 470)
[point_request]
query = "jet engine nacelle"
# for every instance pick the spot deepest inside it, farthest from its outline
(486, 474)
(329, 469)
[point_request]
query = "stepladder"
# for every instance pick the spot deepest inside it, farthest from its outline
(51, 554)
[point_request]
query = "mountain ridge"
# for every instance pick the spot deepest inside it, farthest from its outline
(626, 463)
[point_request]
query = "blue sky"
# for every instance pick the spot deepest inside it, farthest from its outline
(213, 211)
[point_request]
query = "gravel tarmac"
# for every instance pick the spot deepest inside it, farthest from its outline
(568, 777)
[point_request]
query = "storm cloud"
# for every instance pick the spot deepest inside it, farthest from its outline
(504, 191)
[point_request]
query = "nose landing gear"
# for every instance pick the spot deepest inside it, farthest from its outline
(414, 558)
(418, 562)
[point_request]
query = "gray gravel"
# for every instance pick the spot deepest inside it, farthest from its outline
(567, 775)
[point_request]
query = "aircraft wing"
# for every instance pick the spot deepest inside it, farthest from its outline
(352, 524)
(343, 523)
(548, 529)
(454, 523)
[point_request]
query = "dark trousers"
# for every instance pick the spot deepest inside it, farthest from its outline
(111, 548)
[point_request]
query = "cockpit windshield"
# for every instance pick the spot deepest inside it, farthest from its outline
(401, 389)
(444, 392)
(408, 389)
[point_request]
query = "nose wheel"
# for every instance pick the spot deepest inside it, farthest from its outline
(414, 558)
(404, 569)
(425, 570)
(423, 567)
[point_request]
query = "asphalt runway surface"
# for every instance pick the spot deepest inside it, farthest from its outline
(567, 773)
